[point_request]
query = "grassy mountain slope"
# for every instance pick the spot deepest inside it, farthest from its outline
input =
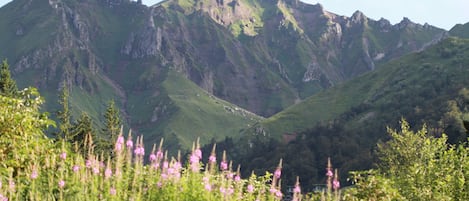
(184, 112)
(460, 30)
(407, 86)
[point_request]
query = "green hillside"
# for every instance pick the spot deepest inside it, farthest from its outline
(184, 112)
(420, 82)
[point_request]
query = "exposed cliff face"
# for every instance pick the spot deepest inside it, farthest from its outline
(261, 55)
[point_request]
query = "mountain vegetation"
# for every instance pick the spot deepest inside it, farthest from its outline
(262, 56)
(264, 80)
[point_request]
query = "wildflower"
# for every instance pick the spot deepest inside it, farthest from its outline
(335, 184)
(152, 157)
(76, 168)
(194, 161)
(156, 165)
(329, 173)
(198, 153)
(279, 194)
(229, 191)
(107, 173)
(95, 170)
(139, 151)
(272, 190)
(250, 188)
(159, 154)
(229, 175)
(208, 187)
(237, 178)
(34, 174)
(278, 173)
(63, 155)
(120, 140)
(61, 183)
(3, 198)
(88, 163)
(223, 165)
(222, 190)
(112, 191)
(297, 188)
(212, 159)
(129, 144)
(118, 147)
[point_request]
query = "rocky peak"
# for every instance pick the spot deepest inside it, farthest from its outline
(359, 18)
(404, 23)
(384, 24)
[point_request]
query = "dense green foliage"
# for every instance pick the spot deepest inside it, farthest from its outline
(22, 138)
(415, 166)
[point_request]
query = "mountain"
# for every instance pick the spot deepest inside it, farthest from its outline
(262, 55)
(460, 30)
(429, 88)
(408, 86)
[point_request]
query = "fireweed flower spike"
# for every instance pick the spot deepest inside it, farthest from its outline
(335, 182)
(223, 163)
(297, 190)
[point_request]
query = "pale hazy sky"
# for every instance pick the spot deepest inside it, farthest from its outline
(441, 13)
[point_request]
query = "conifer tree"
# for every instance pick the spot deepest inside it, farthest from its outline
(80, 129)
(112, 122)
(7, 84)
(64, 115)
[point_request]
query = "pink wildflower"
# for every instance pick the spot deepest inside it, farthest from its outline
(118, 147)
(278, 173)
(329, 173)
(198, 153)
(208, 187)
(152, 157)
(34, 174)
(237, 178)
(63, 155)
(159, 154)
(335, 184)
(120, 140)
(129, 144)
(212, 159)
(139, 151)
(278, 194)
(112, 191)
(61, 183)
(107, 173)
(250, 188)
(88, 163)
(76, 168)
(223, 165)
(272, 190)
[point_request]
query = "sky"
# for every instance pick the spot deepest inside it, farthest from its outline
(441, 13)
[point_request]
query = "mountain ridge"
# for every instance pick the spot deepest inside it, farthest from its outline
(272, 55)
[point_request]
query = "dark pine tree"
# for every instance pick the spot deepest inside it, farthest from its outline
(64, 115)
(7, 84)
(112, 123)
